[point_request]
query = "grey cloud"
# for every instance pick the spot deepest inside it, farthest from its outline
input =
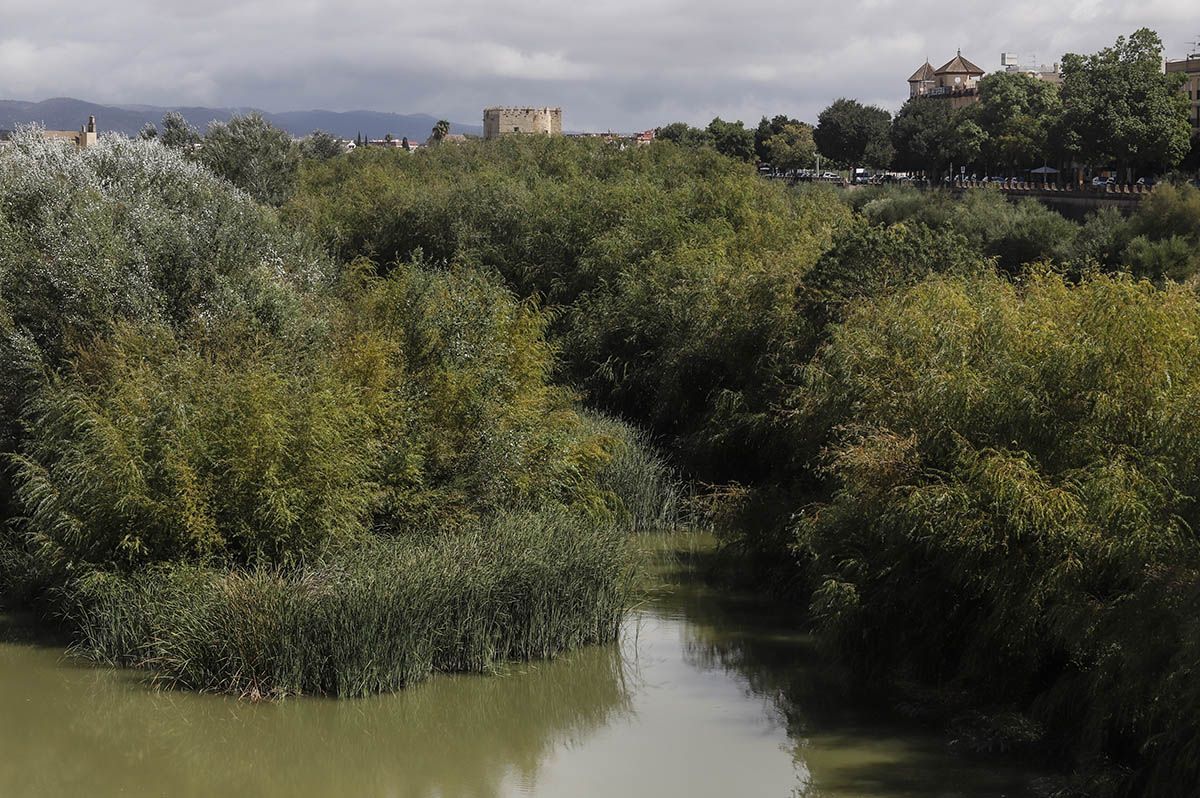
(617, 64)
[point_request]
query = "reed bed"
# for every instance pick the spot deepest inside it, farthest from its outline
(649, 489)
(373, 618)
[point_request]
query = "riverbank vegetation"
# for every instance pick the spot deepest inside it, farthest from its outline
(367, 618)
(209, 427)
(957, 430)
(336, 447)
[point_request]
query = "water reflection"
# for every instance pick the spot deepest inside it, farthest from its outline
(75, 730)
(708, 694)
(844, 743)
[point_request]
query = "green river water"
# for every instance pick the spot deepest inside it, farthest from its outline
(707, 694)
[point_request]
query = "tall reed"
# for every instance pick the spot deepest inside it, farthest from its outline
(369, 619)
(648, 488)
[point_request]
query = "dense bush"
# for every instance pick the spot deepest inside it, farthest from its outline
(469, 422)
(1014, 233)
(1164, 234)
(127, 230)
(202, 422)
(1016, 494)
(365, 619)
(429, 404)
(671, 271)
(1159, 241)
(152, 450)
(254, 155)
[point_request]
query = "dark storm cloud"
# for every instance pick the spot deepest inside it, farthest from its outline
(619, 64)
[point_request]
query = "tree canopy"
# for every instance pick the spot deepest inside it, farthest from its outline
(855, 134)
(1119, 108)
(792, 147)
(732, 139)
(931, 137)
(254, 155)
(1020, 116)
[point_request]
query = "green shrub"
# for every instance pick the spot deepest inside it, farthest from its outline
(125, 230)
(429, 403)
(148, 449)
(1015, 234)
(1165, 235)
(1015, 492)
(253, 155)
(130, 231)
(670, 271)
(368, 618)
(457, 376)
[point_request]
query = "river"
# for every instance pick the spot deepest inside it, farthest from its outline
(707, 694)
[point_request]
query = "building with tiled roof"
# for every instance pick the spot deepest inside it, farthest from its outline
(959, 66)
(922, 80)
(955, 81)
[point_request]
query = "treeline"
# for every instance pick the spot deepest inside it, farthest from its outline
(1115, 109)
(956, 430)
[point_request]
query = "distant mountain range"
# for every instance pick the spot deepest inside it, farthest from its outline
(64, 113)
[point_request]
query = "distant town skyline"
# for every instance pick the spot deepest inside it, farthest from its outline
(619, 65)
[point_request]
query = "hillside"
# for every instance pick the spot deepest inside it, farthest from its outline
(64, 113)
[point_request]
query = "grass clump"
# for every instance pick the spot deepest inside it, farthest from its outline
(365, 619)
(647, 490)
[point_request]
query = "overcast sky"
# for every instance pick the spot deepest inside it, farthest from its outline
(611, 64)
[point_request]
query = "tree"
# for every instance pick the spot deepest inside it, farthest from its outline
(768, 128)
(148, 132)
(177, 133)
(792, 147)
(929, 136)
(1018, 114)
(404, 143)
(964, 139)
(441, 130)
(1120, 108)
(684, 134)
(732, 139)
(918, 136)
(852, 133)
(322, 146)
(254, 155)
